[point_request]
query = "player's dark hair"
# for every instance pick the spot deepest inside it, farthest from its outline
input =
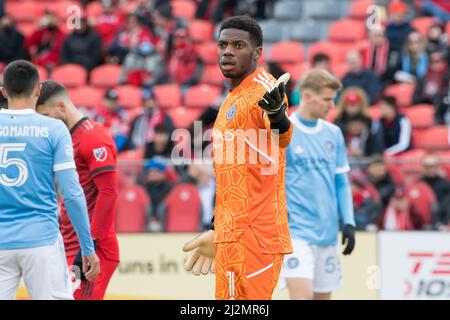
(245, 23)
(389, 100)
(320, 57)
(20, 78)
(49, 90)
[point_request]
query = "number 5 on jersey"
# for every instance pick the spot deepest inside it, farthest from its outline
(22, 177)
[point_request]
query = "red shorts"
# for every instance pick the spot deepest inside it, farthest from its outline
(95, 291)
(243, 272)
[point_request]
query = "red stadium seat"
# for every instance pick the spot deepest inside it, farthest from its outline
(129, 6)
(406, 167)
(131, 209)
(296, 70)
(106, 76)
(287, 52)
(87, 96)
(26, 28)
(347, 30)
(403, 92)
(374, 113)
(423, 24)
(43, 74)
(129, 96)
(432, 139)
(26, 11)
(358, 9)
(65, 9)
(183, 117)
(184, 9)
(200, 30)
(339, 69)
(336, 52)
(208, 52)
(94, 9)
(212, 75)
(131, 160)
(70, 75)
(183, 209)
(421, 116)
(422, 199)
(447, 29)
(201, 96)
(168, 95)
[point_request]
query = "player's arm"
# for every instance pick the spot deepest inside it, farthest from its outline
(67, 179)
(344, 196)
(274, 104)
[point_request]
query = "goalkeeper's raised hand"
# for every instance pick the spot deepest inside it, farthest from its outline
(272, 102)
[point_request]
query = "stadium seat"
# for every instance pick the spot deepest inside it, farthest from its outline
(287, 10)
(374, 113)
(131, 209)
(183, 9)
(421, 116)
(296, 70)
(129, 96)
(106, 76)
(212, 75)
(435, 138)
(43, 74)
(183, 205)
(406, 167)
(200, 31)
(129, 6)
(208, 52)
(444, 157)
(70, 75)
(325, 10)
(94, 9)
(26, 11)
(64, 9)
(201, 96)
(403, 92)
(273, 31)
(339, 69)
(168, 95)
(183, 117)
(422, 199)
(86, 96)
(305, 31)
(422, 24)
(287, 52)
(131, 160)
(26, 28)
(447, 29)
(358, 9)
(336, 52)
(347, 30)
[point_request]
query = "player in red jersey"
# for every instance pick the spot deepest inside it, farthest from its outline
(95, 158)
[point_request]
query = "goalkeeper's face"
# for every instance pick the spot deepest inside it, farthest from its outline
(238, 55)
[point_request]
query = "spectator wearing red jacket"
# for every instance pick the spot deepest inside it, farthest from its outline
(45, 44)
(375, 52)
(108, 23)
(399, 214)
(184, 67)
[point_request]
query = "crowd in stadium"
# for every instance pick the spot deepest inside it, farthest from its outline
(144, 68)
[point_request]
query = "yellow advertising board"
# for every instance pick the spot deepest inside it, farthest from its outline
(152, 268)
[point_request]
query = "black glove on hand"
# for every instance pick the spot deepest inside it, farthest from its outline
(348, 234)
(272, 101)
(78, 262)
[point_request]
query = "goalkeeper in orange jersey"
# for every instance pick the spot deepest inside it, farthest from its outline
(250, 232)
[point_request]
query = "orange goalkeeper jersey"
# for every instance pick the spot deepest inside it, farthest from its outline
(250, 164)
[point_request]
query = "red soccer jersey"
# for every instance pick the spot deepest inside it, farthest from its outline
(95, 153)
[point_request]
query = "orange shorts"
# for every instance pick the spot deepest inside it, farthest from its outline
(243, 272)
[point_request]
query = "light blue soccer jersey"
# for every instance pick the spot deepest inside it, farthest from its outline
(313, 158)
(32, 148)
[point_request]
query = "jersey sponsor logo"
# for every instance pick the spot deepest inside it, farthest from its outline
(100, 154)
(329, 146)
(293, 263)
(231, 112)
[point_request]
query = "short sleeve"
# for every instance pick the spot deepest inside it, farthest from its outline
(63, 149)
(342, 165)
(99, 152)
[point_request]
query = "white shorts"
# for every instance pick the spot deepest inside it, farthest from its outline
(320, 264)
(44, 270)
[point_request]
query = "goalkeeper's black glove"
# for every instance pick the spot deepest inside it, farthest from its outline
(78, 262)
(348, 235)
(272, 101)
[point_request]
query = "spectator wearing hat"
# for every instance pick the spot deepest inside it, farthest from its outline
(358, 76)
(114, 118)
(184, 65)
(394, 127)
(352, 101)
(435, 80)
(157, 188)
(83, 46)
(398, 26)
(378, 174)
(12, 42)
(45, 44)
(143, 126)
(434, 178)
